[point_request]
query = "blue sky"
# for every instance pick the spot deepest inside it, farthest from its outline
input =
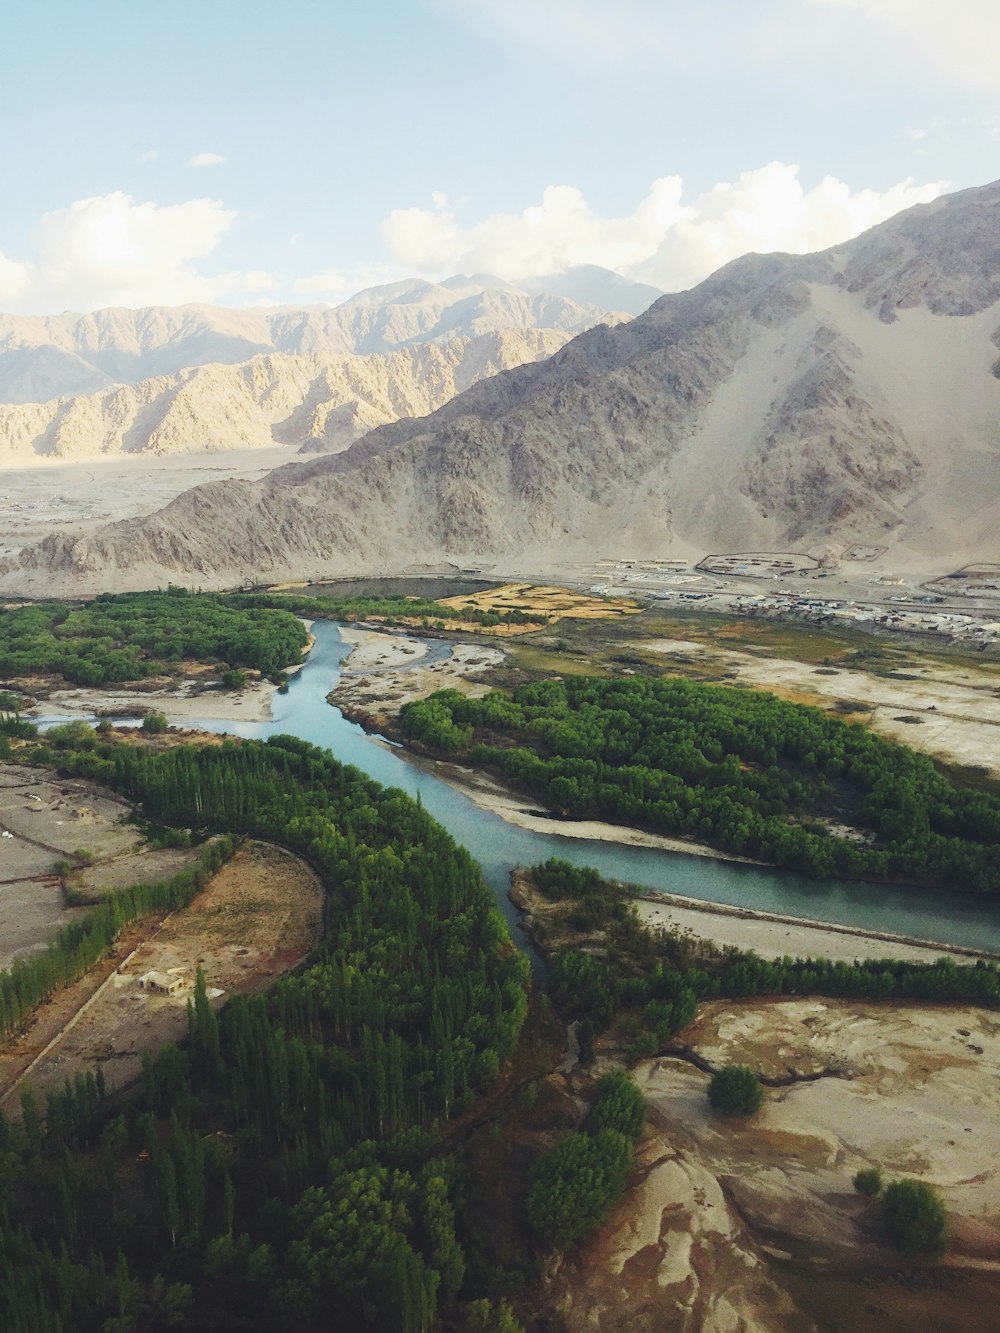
(241, 152)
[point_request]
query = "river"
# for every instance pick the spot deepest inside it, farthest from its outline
(498, 846)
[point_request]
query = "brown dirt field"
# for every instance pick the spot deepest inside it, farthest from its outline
(49, 819)
(754, 1224)
(142, 867)
(258, 917)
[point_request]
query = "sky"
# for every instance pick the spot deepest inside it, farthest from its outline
(243, 153)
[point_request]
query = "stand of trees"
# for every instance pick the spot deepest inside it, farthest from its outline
(392, 610)
(283, 1168)
(655, 981)
(130, 636)
(739, 769)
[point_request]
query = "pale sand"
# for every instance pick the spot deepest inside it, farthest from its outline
(378, 650)
(774, 936)
(489, 795)
(252, 704)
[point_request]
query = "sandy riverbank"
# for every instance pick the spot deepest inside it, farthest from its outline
(773, 936)
(490, 795)
(386, 669)
(377, 650)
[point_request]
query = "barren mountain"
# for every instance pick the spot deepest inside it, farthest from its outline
(46, 357)
(319, 404)
(788, 401)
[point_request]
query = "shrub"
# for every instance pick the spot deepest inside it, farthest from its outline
(735, 1090)
(914, 1218)
(234, 680)
(154, 723)
(868, 1182)
(619, 1105)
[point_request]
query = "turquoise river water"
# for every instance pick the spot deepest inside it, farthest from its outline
(303, 711)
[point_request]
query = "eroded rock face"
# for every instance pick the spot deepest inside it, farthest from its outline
(776, 406)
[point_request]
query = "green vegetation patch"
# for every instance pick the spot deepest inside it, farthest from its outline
(132, 636)
(284, 1167)
(740, 770)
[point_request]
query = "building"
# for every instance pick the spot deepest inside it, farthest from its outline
(161, 983)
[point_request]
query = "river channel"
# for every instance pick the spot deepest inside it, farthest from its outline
(498, 846)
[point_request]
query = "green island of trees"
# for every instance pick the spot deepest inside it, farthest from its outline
(131, 636)
(739, 769)
(914, 1218)
(736, 1091)
(284, 1167)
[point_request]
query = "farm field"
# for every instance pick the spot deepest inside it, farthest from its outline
(258, 917)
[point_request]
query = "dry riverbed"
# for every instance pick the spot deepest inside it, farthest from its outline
(386, 670)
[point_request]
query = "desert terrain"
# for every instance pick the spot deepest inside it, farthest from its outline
(733, 1225)
(44, 821)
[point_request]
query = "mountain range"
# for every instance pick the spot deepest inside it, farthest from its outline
(786, 403)
(194, 378)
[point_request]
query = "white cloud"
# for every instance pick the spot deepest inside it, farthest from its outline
(206, 160)
(664, 241)
(150, 155)
(768, 210)
(961, 38)
(559, 232)
(111, 250)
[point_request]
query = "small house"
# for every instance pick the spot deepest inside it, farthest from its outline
(161, 983)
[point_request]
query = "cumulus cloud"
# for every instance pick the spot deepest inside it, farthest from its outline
(961, 39)
(206, 160)
(548, 237)
(664, 241)
(111, 250)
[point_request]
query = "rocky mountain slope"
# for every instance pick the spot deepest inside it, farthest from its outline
(800, 402)
(195, 378)
(45, 357)
(317, 403)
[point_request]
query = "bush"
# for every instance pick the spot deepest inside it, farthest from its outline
(234, 680)
(155, 723)
(619, 1105)
(914, 1218)
(868, 1182)
(735, 1090)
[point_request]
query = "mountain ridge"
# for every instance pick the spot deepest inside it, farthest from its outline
(787, 402)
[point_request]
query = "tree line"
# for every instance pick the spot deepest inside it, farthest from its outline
(739, 769)
(283, 1166)
(655, 980)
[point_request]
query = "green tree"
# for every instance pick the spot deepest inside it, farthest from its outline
(155, 723)
(735, 1090)
(619, 1105)
(868, 1182)
(575, 1185)
(914, 1218)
